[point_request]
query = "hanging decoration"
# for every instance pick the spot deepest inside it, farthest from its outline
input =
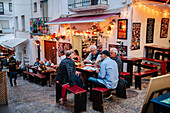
(136, 36)
(164, 28)
(37, 25)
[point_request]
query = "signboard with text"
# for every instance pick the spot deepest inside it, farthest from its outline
(150, 30)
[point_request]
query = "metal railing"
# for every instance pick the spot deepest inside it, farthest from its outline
(84, 3)
(38, 27)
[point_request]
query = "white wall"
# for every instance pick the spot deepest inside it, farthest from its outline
(24, 7)
(140, 15)
(7, 16)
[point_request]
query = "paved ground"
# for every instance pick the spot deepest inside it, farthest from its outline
(29, 97)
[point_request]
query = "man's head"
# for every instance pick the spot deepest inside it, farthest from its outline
(105, 54)
(37, 60)
(45, 60)
(68, 54)
(113, 52)
(93, 49)
(50, 61)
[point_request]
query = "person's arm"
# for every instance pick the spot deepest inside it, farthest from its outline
(78, 58)
(102, 72)
(88, 59)
(98, 59)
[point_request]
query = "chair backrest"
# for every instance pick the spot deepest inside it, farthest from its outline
(156, 83)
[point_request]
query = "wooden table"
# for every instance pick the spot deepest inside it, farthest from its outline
(47, 73)
(88, 73)
(159, 48)
(130, 62)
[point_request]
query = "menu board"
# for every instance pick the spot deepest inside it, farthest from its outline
(150, 30)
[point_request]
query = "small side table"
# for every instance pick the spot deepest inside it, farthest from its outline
(159, 106)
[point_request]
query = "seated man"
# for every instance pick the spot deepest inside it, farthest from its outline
(108, 75)
(36, 62)
(46, 62)
(114, 55)
(65, 73)
(94, 55)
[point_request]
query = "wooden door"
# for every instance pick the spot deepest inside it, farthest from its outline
(50, 51)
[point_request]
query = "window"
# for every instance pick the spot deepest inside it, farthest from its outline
(16, 23)
(10, 7)
(35, 7)
(1, 8)
(4, 24)
(23, 22)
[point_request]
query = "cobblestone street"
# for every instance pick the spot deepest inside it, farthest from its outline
(29, 97)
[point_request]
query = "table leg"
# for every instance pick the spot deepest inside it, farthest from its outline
(152, 53)
(130, 70)
(147, 52)
(139, 66)
(163, 56)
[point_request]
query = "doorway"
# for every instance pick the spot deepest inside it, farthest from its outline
(51, 51)
(77, 44)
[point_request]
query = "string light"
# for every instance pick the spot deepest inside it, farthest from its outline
(144, 5)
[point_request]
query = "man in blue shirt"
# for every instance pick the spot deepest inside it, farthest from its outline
(108, 75)
(36, 62)
(46, 62)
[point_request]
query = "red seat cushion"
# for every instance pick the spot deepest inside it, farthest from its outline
(146, 72)
(25, 72)
(149, 65)
(76, 89)
(40, 75)
(101, 89)
(124, 73)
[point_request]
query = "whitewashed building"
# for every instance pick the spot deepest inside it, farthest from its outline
(27, 12)
(6, 19)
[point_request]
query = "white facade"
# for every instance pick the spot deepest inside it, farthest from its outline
(59, 8)
(6, 19)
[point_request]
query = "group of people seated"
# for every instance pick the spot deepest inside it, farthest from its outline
(108, 74)
(45, 62)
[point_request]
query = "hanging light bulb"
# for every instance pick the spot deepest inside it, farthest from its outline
(160, 12)
(135, 6)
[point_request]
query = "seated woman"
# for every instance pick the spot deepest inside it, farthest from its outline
(76, 57)
(51, 63)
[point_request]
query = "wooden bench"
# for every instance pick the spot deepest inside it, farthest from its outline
(138, 76)
(126, 77)
(31, 76)
(25, 74)
(160, 63)
(39, 78)
(97, 97)
(149, 66)
(80, 97)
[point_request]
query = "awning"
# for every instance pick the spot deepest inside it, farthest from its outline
(82, 19)
(10, 44)
(5, 37)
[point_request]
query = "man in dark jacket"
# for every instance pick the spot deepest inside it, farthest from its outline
(65, 73)
(12, 64)
(114, 55)
(66, 70)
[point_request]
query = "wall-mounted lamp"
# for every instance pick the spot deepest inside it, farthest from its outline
(112, 23)
(109, 30)
(68, 29)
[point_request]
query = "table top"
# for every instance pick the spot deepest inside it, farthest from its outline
(160, 98)
(79, 68)
(157, 47)
(125, 58)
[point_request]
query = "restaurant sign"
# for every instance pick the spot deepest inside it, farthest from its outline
(150, 30)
